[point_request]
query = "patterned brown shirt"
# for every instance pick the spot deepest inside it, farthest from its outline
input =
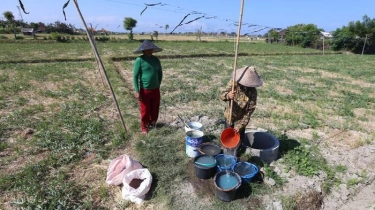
(244, 104)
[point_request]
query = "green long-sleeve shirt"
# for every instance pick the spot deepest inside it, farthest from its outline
(147, 73)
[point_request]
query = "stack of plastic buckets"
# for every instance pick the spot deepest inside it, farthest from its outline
(226, 181)
(194, 138)
(230, 173)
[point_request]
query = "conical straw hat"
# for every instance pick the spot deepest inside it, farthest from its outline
(147, 45)
(247, 76)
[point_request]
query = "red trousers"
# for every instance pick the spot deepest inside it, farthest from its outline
(149, 104)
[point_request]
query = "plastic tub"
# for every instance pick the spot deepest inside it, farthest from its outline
(225, 162)
(209, 148)
(205, 166)
(246, 171)
(261, 144)
(227, 184)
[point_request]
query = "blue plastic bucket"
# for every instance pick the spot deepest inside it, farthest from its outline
(194, 138)
(246, 170)
(225, 162)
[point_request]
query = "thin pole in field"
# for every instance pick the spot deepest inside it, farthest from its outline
(235, 59)
(99, 62)
(364, 44)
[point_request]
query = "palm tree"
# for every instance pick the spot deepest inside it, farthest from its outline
(129, 24)
(10, 19)
(166, 28)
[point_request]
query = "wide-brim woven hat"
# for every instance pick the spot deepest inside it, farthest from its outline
(147, 45)
(249, 77)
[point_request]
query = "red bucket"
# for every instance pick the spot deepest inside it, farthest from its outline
(230, 138)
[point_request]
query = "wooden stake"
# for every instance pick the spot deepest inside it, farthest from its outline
(100, 63)
(364, 44)
(235, 59)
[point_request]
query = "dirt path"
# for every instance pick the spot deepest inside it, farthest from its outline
(126, 75)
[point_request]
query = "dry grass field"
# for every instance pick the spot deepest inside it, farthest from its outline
(59, 128)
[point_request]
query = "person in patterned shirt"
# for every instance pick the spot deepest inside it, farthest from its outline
(244, 98)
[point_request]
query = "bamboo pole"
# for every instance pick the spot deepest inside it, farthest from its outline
(364, 44)
(235, 58)
(100, 63)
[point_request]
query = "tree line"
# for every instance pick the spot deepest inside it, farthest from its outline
(11, 25)
(356, 37)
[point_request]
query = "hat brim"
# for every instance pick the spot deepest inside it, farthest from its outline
(155, 50)
(148, 45)
(247, 76)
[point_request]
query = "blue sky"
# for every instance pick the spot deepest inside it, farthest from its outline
(219, 15)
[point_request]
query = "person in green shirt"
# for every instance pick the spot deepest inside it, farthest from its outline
(147, 77)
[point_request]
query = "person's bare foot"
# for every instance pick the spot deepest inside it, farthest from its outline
(144, 132)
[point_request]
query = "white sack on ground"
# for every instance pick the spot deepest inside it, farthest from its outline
(136, 184)
(119, 167)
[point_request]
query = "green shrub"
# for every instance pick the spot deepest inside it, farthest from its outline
(102, 38)
(56, 36)
(59, 37)
(303, 160)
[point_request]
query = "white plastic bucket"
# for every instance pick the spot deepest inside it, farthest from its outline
(194, 126)
(193, 138)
